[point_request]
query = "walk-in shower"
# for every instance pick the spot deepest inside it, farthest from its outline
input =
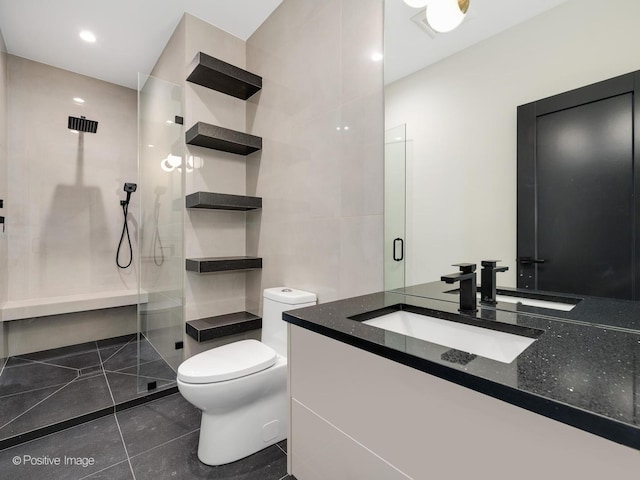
(80, 336)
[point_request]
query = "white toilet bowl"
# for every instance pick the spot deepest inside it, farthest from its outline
(241, 387)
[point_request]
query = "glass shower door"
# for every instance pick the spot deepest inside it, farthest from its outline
(395, 157)
(161, 156)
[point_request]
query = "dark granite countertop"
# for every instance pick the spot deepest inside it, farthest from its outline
(584, 370)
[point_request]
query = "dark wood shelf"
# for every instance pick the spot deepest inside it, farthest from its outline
(222, 201)
(213, 73)
(222, 264)
(223, 139)
(210, 328)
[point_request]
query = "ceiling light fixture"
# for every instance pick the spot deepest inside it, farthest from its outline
(377, 56)
(446, 15)
(78, 100)
(87, 36)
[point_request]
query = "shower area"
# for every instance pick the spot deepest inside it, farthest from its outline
(91, 250)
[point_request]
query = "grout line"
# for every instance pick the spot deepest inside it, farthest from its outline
(126, 451)
(43, 363)
(140, 364)
(159, 354)
(166, 443)
(6, 360)
(34, 406)
(36, 389)
(103, 469)
(142, 376)
(113, 400)
(116, 352)
(281, 449)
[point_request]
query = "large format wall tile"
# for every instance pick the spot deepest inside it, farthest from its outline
(320, 116)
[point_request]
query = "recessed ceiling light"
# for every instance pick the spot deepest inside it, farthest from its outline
(78, 100)
(169, 122)
(75, 131)
(87, 36)
(377, 56)
(150, 146)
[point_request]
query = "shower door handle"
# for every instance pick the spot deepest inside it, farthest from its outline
(401, 257)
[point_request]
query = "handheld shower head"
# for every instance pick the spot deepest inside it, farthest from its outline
(129, 188)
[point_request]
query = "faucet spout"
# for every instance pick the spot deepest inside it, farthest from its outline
(468, 286)
(488, 278)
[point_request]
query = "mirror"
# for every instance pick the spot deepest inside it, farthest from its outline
(460, 116)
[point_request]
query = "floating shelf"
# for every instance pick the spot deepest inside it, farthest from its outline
(222, 201)
(223, 139)
(223, 77)
(222, 325)
(222, 264)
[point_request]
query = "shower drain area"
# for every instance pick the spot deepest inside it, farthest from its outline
(47, 391)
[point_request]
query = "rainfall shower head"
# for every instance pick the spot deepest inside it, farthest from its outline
(82, 124)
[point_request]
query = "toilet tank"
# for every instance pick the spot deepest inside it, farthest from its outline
(276, 301)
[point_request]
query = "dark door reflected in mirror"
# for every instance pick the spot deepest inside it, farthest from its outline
(576, 191)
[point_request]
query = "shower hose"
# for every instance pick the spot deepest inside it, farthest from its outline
(125, 231)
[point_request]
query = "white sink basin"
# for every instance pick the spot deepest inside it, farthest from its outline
(500, 346)
(531, 302)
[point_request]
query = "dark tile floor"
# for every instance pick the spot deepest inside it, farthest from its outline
(59, 386)
(157, 440)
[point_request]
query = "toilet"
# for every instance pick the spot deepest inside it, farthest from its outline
(241, 387)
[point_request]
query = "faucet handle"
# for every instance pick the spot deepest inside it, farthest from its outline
(466, 267)
(492, 264)
(489, 263)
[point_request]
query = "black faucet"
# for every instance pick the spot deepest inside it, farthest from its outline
(488, 279)
(468, 287)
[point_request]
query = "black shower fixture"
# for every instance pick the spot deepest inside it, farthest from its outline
(129, 188)
(82, 125)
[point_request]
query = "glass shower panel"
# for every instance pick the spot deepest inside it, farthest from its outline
(161, 169)
(395, 157)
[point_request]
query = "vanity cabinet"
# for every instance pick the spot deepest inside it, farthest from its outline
(355, 414)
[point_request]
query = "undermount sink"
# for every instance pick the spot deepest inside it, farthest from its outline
(486, 342)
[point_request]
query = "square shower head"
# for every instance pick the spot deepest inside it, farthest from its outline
(82, 124)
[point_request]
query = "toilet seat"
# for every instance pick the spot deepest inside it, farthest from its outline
(227, 362)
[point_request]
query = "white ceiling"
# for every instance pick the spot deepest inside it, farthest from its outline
(408, 48)
(132, 33)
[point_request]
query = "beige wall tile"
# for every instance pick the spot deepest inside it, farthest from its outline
(65, 188)
(310, 174)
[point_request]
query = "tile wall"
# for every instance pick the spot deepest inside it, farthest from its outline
(320, 172)
(65, 188)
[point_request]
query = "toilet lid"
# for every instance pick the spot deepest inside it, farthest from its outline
(227, 362)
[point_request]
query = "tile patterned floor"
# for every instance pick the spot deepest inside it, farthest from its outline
(55, 386)
(157, 440)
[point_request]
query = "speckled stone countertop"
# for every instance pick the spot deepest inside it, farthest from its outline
(583, 370)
